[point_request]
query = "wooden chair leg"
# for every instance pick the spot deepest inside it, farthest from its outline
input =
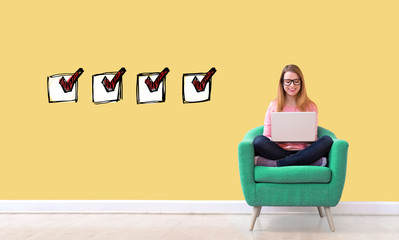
(255, 214)
(321, 213)
(259, 211)
(329, 218)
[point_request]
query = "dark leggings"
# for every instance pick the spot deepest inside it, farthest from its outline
(264, 147)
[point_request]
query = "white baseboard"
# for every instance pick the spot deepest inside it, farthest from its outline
(180, 206)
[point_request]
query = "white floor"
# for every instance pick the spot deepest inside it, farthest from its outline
(193, 226)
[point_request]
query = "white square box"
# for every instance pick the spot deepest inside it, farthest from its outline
(63, 87)
(151, 87)
(197, 86)
(103, 92)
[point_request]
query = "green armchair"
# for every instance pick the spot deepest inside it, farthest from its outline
(292, 185)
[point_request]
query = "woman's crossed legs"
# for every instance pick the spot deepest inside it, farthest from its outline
(265, 148)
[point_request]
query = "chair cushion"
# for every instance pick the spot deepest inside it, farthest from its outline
(292, 174)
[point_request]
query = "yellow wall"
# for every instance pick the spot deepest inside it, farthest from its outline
(348, 51)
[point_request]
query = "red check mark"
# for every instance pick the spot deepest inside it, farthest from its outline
(110, 85)
(200, 86)
(67, 85)
(154, 85)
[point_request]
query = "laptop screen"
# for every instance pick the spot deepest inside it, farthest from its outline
(293, 126)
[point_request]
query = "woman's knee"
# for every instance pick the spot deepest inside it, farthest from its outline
(260, 140)
(327, 140)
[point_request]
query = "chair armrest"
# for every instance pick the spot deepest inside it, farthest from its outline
(251, 134)
(246, 154)
(337, 163)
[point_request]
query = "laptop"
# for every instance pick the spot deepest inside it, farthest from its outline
(293, 126)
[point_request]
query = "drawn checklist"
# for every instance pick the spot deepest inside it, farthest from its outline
(151, 87)
(63, 87)
(197, 86)
(107, 87)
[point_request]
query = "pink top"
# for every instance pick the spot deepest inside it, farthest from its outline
(267, 129)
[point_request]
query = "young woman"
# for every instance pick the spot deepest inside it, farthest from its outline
(291, 97)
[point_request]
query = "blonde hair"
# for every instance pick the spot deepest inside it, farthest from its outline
(302, 100)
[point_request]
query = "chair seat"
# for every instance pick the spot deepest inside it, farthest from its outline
(292, 174)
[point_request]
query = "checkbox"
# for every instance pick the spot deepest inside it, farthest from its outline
(197, 86)
(107, 87)
(151, 87)
(63, 87)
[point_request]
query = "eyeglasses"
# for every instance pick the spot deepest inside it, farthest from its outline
(288, 82)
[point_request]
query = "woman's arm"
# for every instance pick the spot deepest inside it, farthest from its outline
(267, 130)
(315, 109)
